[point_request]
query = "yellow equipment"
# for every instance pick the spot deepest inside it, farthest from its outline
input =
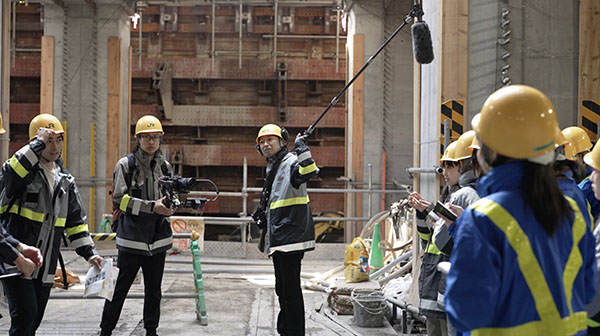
(578, 137)
(462, 150)
(449, 153)
(46, 121)
(148, 124)
(322, 229)
(518, 121)
(592, 158)
(269, 129)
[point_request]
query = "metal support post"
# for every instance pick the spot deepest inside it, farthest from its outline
(446, 133)
(370, 188)
(337, 41)
(200, 303)
(276, 28)
(212, 39)
(240, 36)
(140, 42)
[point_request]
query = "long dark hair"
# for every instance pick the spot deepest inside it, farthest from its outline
(540, 190)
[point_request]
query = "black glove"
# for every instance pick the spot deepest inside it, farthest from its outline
(260, 219)
(300, 140)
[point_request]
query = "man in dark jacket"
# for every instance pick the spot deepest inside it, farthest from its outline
(289, 226)
(143, 231)
(40, 202)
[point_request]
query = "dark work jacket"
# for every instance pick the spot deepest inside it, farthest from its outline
(290, 224)
(37, 217)
(140, 230)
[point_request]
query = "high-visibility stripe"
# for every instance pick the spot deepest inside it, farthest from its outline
(288, 202)
(304, 156)
(558, 327)
(592, 323)
(293, 247)
(136, 245)
(27, 213)
(550, 320)
(124, 202)
(432, 249)
(29, 154)
(308, 169)
(575, 260)
(429, 304)
(424, 236)
(18, 167)
(83, 241)
(76, 229)
(60, 222)
(136, 205)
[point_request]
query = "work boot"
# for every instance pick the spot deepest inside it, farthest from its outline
(151, 333)
(105, 333)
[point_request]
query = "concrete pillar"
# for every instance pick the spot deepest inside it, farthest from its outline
(387, 94)
(80, 88)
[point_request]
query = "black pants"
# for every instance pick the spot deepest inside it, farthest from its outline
(152, 269)
(290, 320)
(27, 301)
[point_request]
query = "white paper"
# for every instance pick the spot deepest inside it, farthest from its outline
(101, 282)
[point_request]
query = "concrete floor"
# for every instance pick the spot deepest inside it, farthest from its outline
(237, 304)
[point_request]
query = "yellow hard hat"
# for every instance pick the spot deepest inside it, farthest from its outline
(592, 158)
(518, 121)
(148, 124)
(269, 129)
(561, 139)
(463, 144)
(475, 120)
(449, 153)
(578, 137)
(46, 121)
(2, 130)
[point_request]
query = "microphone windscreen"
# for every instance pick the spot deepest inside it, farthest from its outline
(422, 45)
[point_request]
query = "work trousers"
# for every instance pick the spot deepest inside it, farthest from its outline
(152, 270)
(27, 301)
(290, 320)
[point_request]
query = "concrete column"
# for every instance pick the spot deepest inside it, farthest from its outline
(387, 94)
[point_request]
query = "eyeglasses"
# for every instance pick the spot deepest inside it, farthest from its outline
(147, 137)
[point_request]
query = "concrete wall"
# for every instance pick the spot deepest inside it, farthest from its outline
(544, 51)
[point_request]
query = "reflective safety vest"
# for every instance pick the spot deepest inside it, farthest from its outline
(551, 322)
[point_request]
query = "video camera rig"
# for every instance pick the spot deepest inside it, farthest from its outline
(173, 186)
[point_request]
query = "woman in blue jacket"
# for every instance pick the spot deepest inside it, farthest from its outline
(523, 259)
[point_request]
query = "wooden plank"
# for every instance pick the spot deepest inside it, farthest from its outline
(129, 70)
(113, 113)
(454, 50)
(47, 75)
(358, 120)
(589, 52)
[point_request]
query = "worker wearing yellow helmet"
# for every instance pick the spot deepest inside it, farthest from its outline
(592, 159)
(284, 216)
(40, 203)
(522, 231)
(565, 168)
(581, 145)
(431, 281)
(140, 219)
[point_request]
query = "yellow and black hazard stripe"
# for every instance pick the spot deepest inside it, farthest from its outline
(103, 236)
(590, 116)
(452, 110)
